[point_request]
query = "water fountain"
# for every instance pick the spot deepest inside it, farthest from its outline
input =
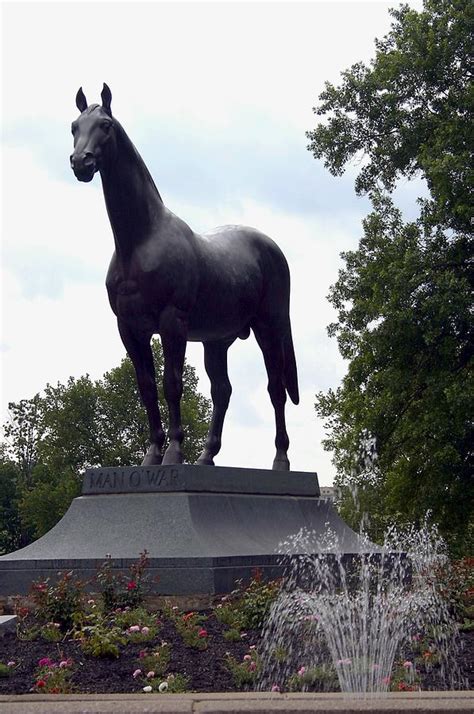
(344, 621)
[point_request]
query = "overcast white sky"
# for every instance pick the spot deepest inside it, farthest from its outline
(217, 98)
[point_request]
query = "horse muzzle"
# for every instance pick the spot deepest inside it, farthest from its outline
(84, 166)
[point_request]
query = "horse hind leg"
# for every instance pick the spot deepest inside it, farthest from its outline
(215, 361)
(270, 342)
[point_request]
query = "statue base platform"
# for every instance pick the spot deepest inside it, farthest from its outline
(203, 527)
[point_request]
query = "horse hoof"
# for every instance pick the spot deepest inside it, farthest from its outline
(153, 456)
(205, 461)
(281, 465)
(172, 456)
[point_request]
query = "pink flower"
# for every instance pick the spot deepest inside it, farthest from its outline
(145, 630)
(137, 673)
(202, 632)
(150, 675)
(11, 663)
(45, 662)
(275, 688)
(252, 666)
(142, 654)
(134, 628)
(407, 664)
(301, 671)
(131, 585)
(247, 657)
(64, 663)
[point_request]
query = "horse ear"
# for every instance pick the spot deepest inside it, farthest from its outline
(106, 97)
(81, 101)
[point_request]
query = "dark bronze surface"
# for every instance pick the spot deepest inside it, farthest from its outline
(165, 279)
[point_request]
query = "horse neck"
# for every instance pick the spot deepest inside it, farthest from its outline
(131, 197)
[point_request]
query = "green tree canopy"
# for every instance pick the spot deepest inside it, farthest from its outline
(53, 437)
(404, 297)
(410, 112)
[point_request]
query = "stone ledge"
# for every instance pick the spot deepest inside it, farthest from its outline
(7, 624)
(193, 478)
(227, 703)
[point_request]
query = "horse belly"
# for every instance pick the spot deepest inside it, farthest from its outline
(223, 314)
(132, 309)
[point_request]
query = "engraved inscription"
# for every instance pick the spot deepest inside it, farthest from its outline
(135, 479)
(123, 480)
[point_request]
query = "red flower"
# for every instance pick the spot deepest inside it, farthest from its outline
(202, 632)
(131, 585)
(40, 683)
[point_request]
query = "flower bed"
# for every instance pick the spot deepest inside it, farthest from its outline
(69, 642)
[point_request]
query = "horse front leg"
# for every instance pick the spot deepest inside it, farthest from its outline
(139, 351)
(173, 331)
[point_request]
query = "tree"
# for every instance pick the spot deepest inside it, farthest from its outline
(11, 535)
(55, 436)
(410, 112)
(404, 298)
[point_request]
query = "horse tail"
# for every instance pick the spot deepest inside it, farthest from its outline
(290, 371)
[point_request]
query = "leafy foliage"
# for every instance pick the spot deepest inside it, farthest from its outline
(410, 112)
(57, 602)
(190, 626)
(120, 590)
(247, 606)
(245, 671)
(404, 298)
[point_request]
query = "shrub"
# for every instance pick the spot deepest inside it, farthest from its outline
(244, 672)
(51, 632)
(247, 607)
(100, 637)
(58, 601)
(120, 590)
(102, 641)
(156, 661)
(53, 677)
(190, 627)
(135, 616)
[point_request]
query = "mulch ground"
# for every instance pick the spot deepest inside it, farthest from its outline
(206, 669)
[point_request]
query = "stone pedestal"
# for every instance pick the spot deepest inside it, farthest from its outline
(203, 527)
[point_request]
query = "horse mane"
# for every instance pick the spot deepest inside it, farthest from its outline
(123, 137)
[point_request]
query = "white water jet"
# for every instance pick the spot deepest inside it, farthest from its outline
(345, 618)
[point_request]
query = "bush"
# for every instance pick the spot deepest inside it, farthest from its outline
(247, 607)
(120, 590)
(58, 602)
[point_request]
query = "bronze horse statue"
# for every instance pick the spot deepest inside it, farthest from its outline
(165, 279)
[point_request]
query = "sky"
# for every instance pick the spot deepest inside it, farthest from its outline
(217, 98)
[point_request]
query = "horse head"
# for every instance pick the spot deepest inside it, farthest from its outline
(93, 133)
